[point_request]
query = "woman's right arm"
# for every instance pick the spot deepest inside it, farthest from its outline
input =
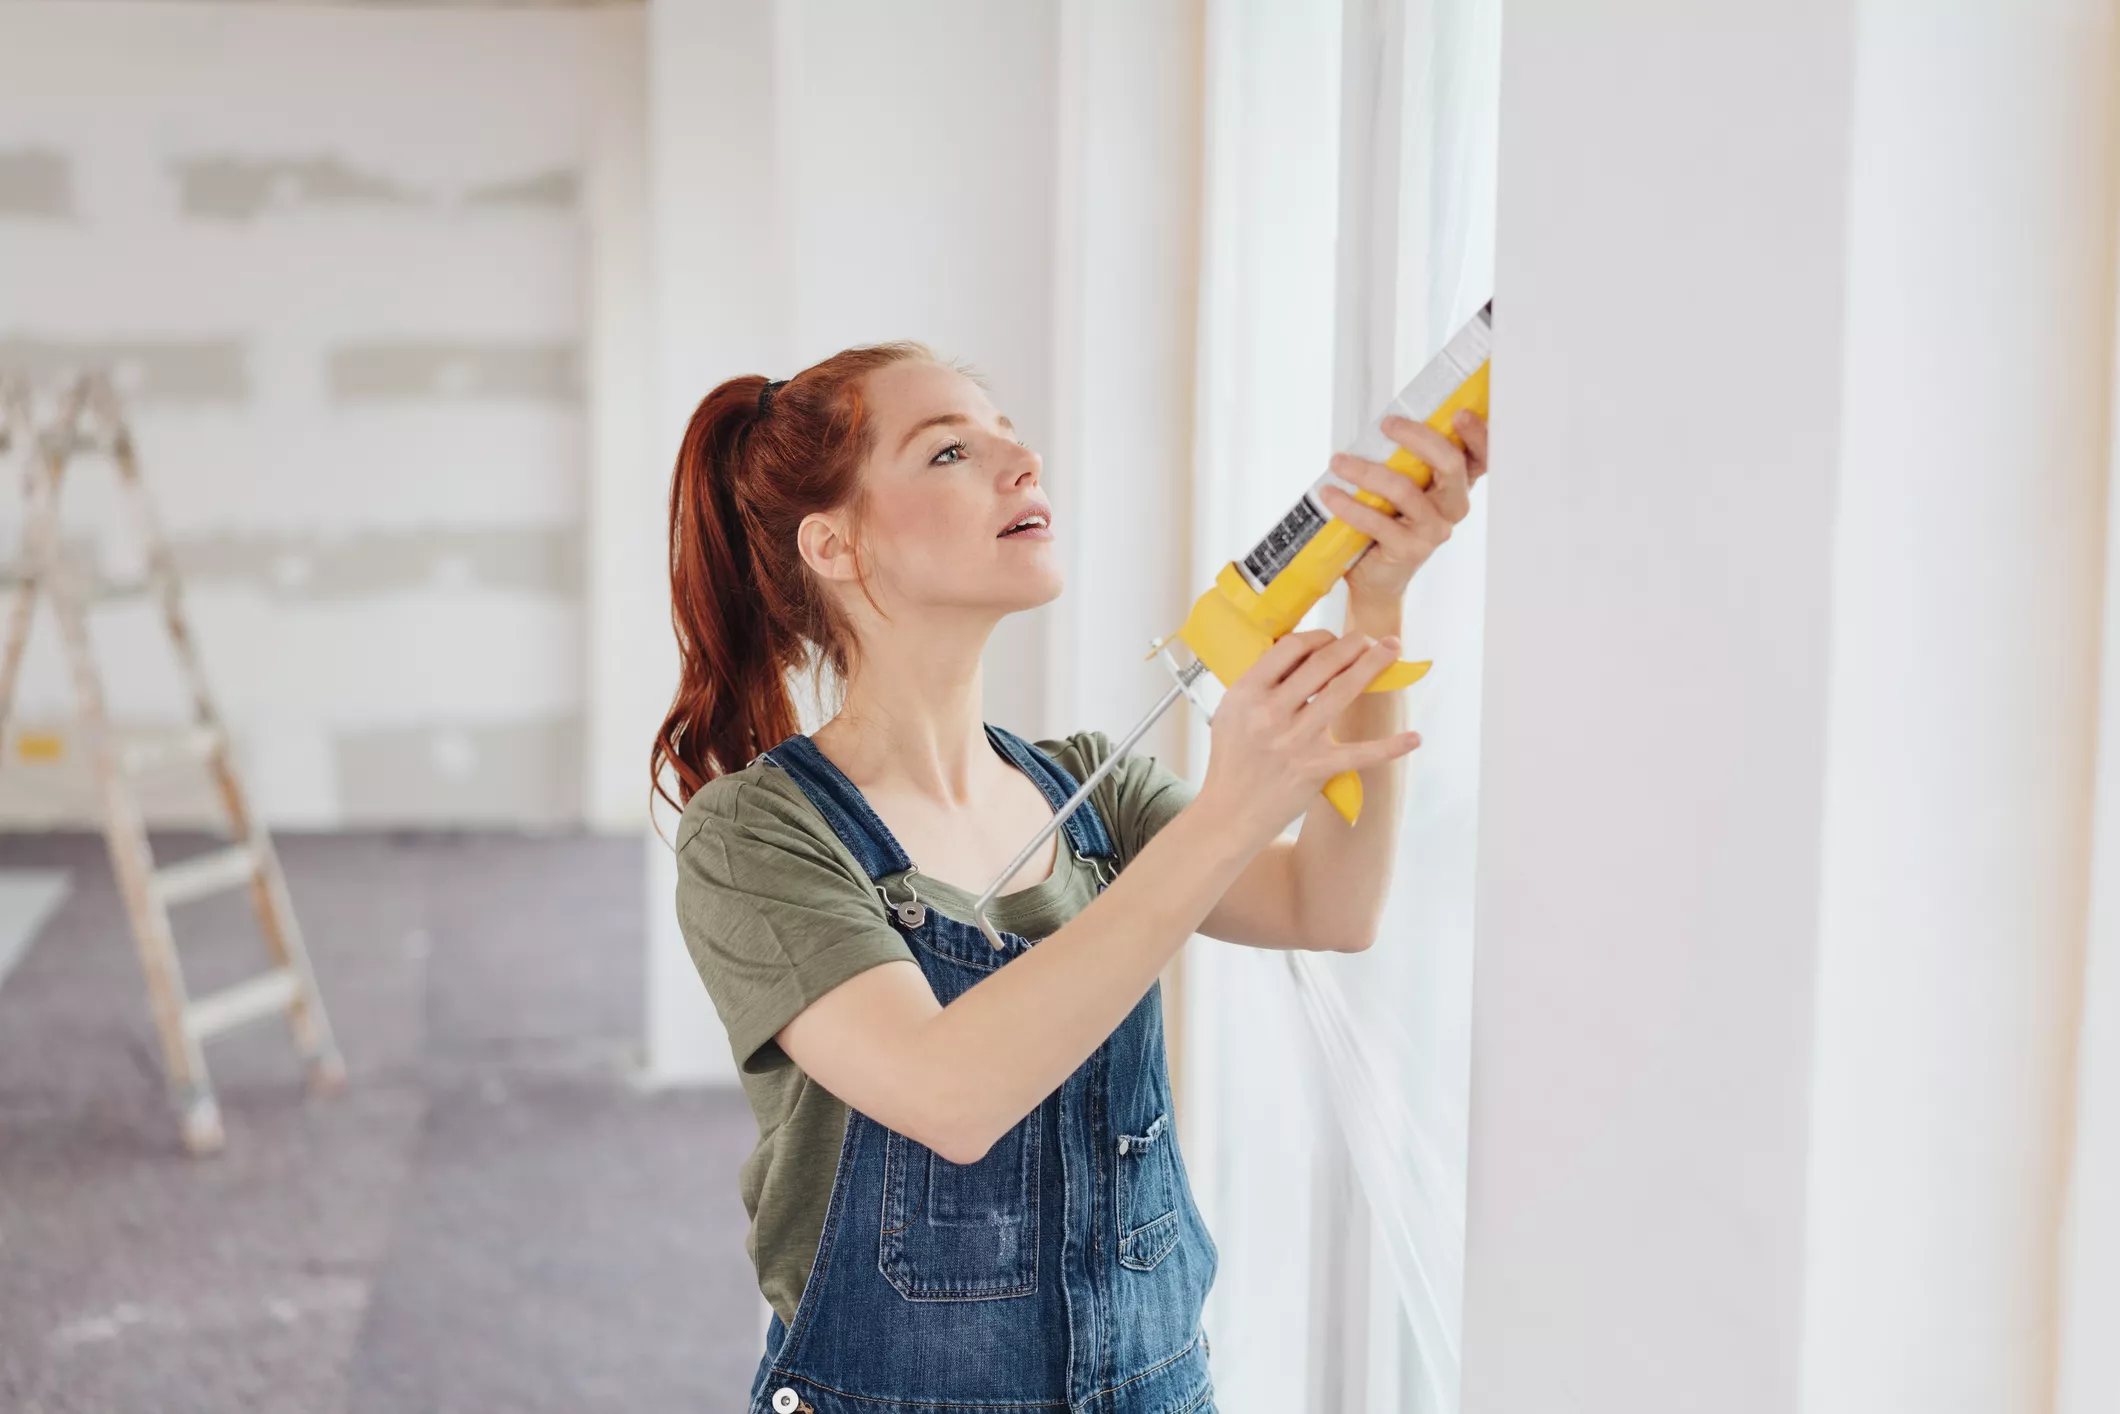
(956, 1078)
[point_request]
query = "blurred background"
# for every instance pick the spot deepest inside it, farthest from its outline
(1746, 1033)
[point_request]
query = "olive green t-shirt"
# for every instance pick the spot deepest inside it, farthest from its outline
(776, 913)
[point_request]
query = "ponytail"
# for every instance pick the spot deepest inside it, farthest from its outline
(746, 609)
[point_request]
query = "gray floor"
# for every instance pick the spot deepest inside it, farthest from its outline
(491, 1217)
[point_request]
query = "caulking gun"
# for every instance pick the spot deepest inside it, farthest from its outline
(1262, 597)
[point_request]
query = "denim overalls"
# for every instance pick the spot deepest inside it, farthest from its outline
(1066, 1269)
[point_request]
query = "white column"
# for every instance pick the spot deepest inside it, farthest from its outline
(628, 601)
(809, 194)
(1967, 582)
(721, 308)
(1666, 410)
(2089, 1380)
(922, 208)
(1125, 306)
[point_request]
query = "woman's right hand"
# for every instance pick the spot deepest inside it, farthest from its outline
(1272, 748)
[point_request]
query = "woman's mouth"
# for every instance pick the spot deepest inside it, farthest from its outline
(1032, 527)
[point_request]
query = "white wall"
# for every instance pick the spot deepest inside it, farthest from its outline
(1967, 579)
(1802, 400)
(1667, 395)
(340, 252)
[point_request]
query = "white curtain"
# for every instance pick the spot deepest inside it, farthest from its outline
(1349, 230)
(1264, 426)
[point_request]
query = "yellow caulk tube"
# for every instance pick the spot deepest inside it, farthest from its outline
(1263, 596)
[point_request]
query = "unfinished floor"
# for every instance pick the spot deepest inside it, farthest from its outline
(492, 1217)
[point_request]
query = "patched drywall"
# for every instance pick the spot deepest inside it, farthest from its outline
(444, 369)
(336, 258)
(508, 773)
(354, 567)
(208, 369)
(559, 189)
(35, 182)
(240, 188)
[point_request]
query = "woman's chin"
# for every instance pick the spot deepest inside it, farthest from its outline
(1043, 596)
(1033, 590)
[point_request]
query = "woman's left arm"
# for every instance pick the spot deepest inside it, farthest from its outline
(1325, 889)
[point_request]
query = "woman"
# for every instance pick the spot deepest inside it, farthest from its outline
(967, 1189)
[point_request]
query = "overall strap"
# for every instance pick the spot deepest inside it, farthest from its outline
(873, 845)
(843, 806)
(1085, 828)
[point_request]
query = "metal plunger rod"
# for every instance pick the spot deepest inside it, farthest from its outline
(1187, 675)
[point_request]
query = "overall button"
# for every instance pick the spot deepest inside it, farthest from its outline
(787, 1401)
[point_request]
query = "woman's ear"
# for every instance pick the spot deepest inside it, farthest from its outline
(827, 549)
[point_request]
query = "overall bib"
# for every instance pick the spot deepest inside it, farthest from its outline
(1065, 1270)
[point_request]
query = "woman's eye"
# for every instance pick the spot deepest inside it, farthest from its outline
(952, 447)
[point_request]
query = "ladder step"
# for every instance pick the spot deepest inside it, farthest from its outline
(103, 591)
(113, 591)
(142, 751)
(204, 874)
(261, 996)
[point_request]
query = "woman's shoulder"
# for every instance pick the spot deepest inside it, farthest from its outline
(758, 799)
(1084, 751)
(1080, 752)
(1137, 799)
(751, 840)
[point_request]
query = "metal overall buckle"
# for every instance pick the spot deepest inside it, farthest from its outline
(910, 911)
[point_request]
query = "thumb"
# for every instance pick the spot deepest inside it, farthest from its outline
(1356, 755)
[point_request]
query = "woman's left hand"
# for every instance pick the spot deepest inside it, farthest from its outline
(1424, 519)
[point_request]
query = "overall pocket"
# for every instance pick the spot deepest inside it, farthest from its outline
(961, 1232)
(1148, 1196)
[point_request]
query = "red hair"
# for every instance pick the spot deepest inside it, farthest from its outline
(746, 609)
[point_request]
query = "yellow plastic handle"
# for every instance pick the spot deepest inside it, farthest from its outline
(1400, 674)
(1345, 789)
(1345, 793)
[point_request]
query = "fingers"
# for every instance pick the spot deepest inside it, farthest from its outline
(1473, 428)
(1321, 667)
(1444, 457)
(1357, 670)
(1411, 537)
(1287, 653)
(1395, 487)
(1359, 755)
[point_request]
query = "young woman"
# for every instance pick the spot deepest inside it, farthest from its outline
(967, 1190)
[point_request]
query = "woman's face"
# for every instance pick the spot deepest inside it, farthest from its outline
(952, 515)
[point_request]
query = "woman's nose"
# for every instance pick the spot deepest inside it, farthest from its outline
(1027, 467)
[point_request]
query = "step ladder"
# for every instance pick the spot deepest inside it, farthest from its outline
(88, 419)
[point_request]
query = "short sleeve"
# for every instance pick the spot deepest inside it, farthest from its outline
(1137, 799)
(774, 911)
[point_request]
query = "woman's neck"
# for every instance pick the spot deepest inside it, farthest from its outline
(912, 718)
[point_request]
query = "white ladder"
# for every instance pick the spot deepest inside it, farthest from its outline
(89, 418)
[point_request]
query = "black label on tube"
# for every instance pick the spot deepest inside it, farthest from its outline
(1282, 544)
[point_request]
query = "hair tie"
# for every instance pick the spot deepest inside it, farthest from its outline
(765, 396)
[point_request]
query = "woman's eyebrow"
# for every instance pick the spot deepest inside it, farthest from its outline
(946, 419)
